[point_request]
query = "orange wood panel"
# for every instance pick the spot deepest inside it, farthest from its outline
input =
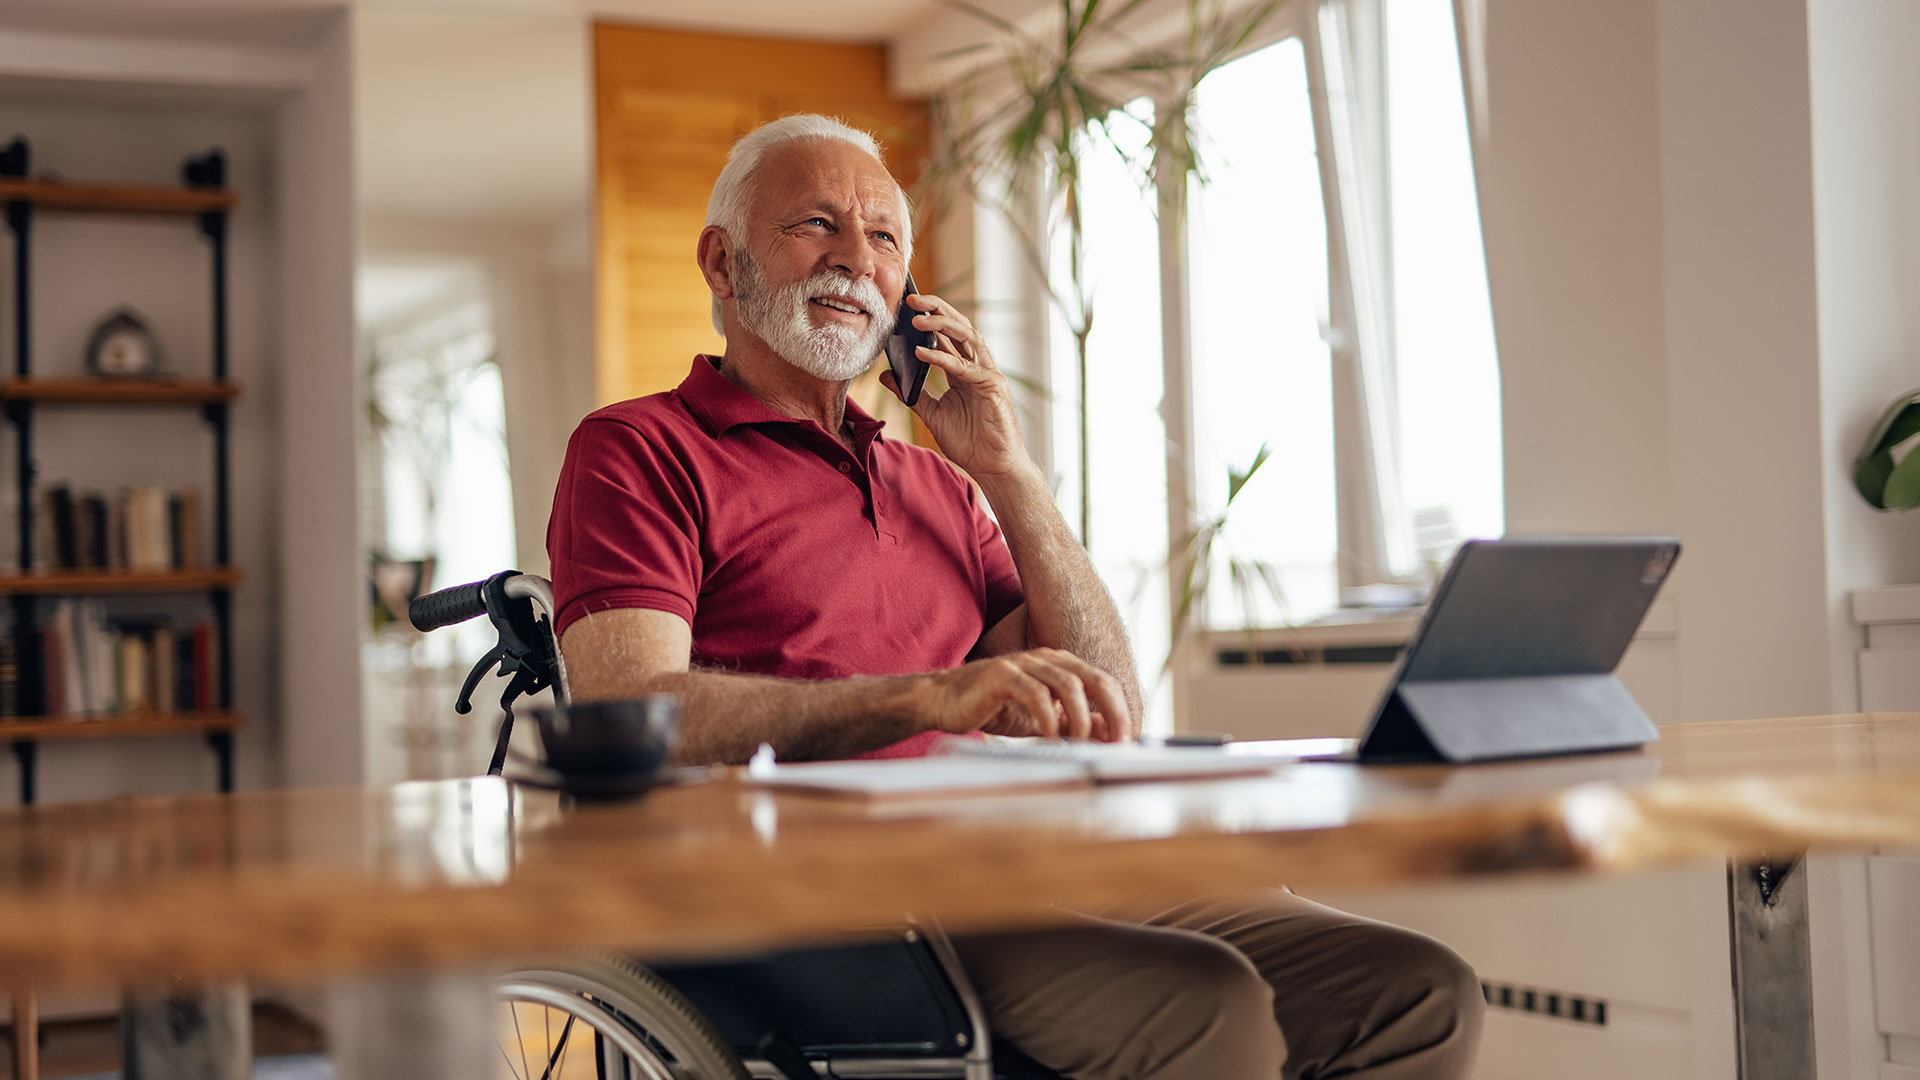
(668, 106)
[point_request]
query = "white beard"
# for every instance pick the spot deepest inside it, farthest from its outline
(778, 316)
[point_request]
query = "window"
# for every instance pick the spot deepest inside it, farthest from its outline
(439, 486)
(1256, 263)
(1336, 320)
(1447, 380)
(1127, 438)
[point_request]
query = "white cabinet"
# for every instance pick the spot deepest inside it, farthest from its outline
(1889, 667)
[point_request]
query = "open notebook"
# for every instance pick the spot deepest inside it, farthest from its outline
(962, 765)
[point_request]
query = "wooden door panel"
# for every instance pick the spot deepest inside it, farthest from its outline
(659, 153)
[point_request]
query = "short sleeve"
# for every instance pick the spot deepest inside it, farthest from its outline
(1003, 591)
(626, 525)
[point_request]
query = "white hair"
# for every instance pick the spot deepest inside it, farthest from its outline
(733, 190)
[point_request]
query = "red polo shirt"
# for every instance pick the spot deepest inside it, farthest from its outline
(787, 554)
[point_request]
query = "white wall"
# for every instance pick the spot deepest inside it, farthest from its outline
(1571, 210)
(1743, 359)
(1866, 153)
(84, 267)
(321, 565)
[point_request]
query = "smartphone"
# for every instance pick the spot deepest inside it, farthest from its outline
(909, 371)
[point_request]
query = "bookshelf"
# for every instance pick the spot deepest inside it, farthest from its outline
(202, 201)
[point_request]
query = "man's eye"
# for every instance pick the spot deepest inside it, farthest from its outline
(820, 221)
(886, 236)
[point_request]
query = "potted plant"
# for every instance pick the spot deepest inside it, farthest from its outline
(1015, 131)
(1887, 482)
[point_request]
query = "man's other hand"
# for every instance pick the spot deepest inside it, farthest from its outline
(974, 421)
(1044, 692)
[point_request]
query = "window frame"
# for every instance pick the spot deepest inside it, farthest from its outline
(1343, 44)
(1363, 544)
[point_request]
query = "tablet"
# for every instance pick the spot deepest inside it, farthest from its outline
(1516, 653)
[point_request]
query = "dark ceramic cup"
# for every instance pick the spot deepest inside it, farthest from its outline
(614, 740)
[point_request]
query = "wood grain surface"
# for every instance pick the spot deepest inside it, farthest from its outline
(119, 725)
(83, 582)
(116, 198)
(120, 391)
(305, 884)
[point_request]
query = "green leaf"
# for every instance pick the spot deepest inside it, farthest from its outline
(1903, 485)
(963, 50)
(1870, 475)
(1237, 480)
(1905, 425)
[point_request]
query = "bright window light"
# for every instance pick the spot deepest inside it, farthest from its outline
(1257, 263)
(1447, 373)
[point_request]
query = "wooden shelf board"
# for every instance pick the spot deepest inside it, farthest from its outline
(78, 582)
(117, 198)
(102, 391)
(39, 728)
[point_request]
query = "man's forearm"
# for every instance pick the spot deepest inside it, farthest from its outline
(725, 717)
(1068, 607)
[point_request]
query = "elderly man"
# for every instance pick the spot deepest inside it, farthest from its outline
(752, 543)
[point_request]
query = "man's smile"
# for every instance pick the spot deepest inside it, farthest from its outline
(836, 304)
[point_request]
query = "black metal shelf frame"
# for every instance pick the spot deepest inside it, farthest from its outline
(208, 170)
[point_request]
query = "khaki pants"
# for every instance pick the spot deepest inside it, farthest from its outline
(1262, 986)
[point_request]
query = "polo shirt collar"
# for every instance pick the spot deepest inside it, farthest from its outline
(719, 405)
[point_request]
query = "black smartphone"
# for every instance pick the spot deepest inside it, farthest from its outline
(909, 371)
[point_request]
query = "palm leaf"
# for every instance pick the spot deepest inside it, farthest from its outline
(1237, 480)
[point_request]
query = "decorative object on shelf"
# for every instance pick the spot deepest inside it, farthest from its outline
(123, 345)
(15, 158)
(392, 585)
(1885, 482)
(208, 170)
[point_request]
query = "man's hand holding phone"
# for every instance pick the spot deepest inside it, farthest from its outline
(974, 421)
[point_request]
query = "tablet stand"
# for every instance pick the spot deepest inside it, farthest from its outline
(1462, 720)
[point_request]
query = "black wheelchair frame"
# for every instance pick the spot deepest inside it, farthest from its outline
(898, 1008)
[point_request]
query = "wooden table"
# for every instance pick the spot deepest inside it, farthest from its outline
(303, 885)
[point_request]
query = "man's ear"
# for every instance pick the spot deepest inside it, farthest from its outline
(715, 256)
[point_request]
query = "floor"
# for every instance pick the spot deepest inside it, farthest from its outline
(288, 1047)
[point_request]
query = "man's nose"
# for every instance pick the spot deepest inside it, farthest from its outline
(854, 255)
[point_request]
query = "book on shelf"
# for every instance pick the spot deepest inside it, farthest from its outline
(9, 676)
(146, 528)
(93, 664)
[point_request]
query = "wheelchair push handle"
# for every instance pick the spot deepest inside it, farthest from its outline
(448, 606)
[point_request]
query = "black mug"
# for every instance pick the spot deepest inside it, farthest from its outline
(631, 740)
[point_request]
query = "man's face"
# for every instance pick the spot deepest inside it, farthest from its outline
(821, 272)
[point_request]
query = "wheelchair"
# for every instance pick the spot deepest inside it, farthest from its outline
(900, 1008)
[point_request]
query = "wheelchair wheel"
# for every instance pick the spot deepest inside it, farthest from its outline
(601, 1017)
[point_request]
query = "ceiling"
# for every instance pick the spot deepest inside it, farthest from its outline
(472, 117)
(293, 23)
(470, 109)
